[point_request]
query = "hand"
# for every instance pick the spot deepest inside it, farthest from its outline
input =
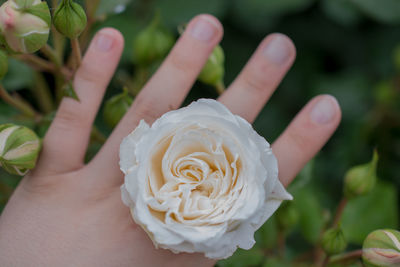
(65, 213)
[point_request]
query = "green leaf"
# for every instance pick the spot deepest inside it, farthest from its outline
(240, 258)
(107, 7)
(178, 12)
(303, 178)
(267, 235)
(19, 76)
(343, 12)
(69, 91)
(386, 11)
(276, 262)
(311, 214)
(376, 210)
(129, 26)
(260, 16)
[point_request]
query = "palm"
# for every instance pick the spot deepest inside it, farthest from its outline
(68, 213)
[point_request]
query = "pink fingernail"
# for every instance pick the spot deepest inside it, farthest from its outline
(324, 110)
(203, 30)
(104, 42)
(277, 50)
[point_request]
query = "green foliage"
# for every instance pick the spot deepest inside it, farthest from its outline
(387, 11)
(311, 215)
(3, 64)
(177, 12)
(253, 257)
(347, 48)
(111, 7)
(342, 11)
(19, 76)
(377, 210)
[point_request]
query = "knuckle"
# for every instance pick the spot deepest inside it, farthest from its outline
(299, 141)
(148, 109)
(257, 82)
(70, 118)
(89, 73)
(183, 63)
(144, 108)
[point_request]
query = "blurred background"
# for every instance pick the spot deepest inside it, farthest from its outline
(346, 48)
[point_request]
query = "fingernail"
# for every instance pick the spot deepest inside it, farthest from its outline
(277, 50)
(104, 42)
(203, 30)
(324, 110)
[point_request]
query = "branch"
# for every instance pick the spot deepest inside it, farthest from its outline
(76, 50)
(19, 104)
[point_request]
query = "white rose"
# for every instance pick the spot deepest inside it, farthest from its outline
(200, 179)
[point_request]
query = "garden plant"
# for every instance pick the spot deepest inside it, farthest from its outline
(344, 210)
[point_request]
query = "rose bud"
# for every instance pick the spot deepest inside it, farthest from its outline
(382, 248)
(214, 71)
(19, 149)
(360, 180)
(116, 107)
(333, 241)
(24, 25)
(152, 44)
(70, 19)
(3, 64)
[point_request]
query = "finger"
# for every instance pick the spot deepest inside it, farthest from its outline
(66, 141)
(258, 80)
(306, 135)
(167, 88)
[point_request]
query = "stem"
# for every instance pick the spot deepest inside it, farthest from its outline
(22, 106)
(97, 135)
(54, 4)
(339, 211)
(36, 62)
(59, 83)
(76, 50)
(325, 262)
(281, 243)
(91, 9)
(42, 93)
(220, 87)
(349, 256)
(51, 54)
(58, 42)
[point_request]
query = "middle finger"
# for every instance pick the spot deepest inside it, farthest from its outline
(165, 91)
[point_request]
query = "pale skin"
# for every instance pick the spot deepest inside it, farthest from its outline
(66, 213)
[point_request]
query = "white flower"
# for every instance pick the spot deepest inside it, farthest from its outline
(200, 179)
